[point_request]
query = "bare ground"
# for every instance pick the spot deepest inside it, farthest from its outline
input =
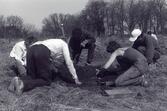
(63, 97)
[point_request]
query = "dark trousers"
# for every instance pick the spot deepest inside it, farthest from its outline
(38, 67)
(76, 53)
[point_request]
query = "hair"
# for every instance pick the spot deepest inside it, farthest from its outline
(76, 32)
(112, 46)
(141, 35)
(149, 32)
(30, 40)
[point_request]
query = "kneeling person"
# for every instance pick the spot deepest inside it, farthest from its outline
(135, 74)
(18, 55)
(40, 59)
(146, 44)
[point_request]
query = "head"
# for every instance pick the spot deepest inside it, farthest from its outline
(149, 32)
(112, 46)
(76, 32)
(135, 34)
(29, 40)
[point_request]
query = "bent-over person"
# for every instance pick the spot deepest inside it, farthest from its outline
(81, 40)
(18, 55)
(40, 59)
(147, 45)
(137, 67)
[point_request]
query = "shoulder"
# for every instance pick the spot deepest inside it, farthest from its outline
(149, 38)
(20, 44)
(57, 42)
(154, 36)
(119, 52)
(54, 41)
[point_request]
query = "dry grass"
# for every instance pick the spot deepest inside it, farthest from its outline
(61, 97)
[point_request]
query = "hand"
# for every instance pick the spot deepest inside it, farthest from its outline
(100, 72)
(77, 82)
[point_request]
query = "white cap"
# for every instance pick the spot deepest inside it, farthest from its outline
(135, 34)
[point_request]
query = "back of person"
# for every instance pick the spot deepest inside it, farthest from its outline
(133, 55)
(76, 39)
(146, 41)
(74, 43)
(130, 57)
(54, 45)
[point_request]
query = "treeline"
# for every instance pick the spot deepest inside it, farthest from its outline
(114, 17)
(14, 27)
(99, 17)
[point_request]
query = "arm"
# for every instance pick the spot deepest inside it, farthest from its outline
(69, 62)
(17, 53)
(100, 72)
(89, 38)
(111, 60)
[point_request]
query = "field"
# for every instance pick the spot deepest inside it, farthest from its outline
(63, 97)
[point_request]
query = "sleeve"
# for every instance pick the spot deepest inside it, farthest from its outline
(154, 36)
(90, 38)
(111, 60)
(17, 52)
(68, 61)
(149, 50)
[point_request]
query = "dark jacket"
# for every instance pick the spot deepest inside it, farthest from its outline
(149, 43)
(75, 41)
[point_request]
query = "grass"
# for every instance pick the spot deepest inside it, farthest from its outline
(62, 97)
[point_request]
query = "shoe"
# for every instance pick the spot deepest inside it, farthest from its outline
(16, 86)
(144, 82)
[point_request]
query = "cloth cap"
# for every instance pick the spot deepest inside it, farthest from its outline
(135, 34)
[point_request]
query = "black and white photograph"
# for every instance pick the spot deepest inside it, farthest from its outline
(83, 55)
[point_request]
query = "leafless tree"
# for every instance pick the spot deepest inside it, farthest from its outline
(13, 26)
(2, 26)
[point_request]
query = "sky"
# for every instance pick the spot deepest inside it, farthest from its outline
(34, 11)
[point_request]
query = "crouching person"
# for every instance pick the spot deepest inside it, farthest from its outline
(82, 40)
(40, 58)
(146, 44)
(18, 55)
(138, 66)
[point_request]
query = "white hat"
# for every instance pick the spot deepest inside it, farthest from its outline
(135, 34)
